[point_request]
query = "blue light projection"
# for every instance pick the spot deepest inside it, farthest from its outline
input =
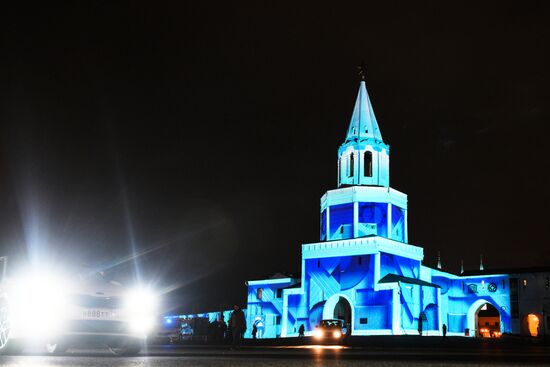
(364, 271)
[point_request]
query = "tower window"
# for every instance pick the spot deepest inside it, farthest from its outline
(367, 162)
(351, 165)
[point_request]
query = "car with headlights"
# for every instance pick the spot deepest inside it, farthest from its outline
(329, 331)
(186, 332)
(39, 307)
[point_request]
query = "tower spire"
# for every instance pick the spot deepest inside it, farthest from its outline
(461, 266)
(363, 124)
(438, 260)
(363, 158)
(481, 262)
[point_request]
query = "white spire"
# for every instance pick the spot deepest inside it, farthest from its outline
(363, 123)
(438, 260)
(481, 262)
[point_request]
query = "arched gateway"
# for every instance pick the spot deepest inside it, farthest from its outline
(339, 307)
(484, 319)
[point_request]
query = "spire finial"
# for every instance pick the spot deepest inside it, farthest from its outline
(362, 70)
(481, 262)
(438, 260)
(461, 266)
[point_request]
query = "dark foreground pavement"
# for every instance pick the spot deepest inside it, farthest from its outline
(36, 361)
(372, 351)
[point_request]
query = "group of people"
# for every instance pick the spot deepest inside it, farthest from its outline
(232, 331)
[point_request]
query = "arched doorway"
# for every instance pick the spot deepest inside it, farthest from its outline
(339, 307)
(487, 321)
(533, 323)
(432, 319)
(484, 319)
(342, 310)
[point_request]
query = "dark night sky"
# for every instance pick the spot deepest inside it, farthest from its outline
(208, 132)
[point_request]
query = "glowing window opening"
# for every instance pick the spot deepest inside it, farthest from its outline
(367, 164)
(351, 165)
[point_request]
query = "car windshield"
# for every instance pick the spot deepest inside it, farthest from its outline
(331, 323)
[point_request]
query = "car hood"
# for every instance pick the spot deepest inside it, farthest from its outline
(99, 286)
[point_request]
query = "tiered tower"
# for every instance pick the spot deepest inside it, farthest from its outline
(364, 204)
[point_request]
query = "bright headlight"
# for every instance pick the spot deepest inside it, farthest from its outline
(141, 300)
(141, 307)
(38, 304)
(318, 333)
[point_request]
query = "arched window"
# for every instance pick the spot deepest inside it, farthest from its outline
(367, 162)
(351, 165)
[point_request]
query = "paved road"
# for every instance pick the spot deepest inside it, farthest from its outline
(307, 355)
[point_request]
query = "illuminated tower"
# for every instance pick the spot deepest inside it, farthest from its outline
(363, 158)
(364, 204)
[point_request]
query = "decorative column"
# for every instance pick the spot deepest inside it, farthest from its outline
(376, 270)
(389, 221)
(355, 219)
(284, 316)
(439, 312)
(406, 234)
(329, 235)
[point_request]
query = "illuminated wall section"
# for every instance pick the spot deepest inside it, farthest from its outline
(461, 298)
(348, 272)
(373, 219)
(341, 221)
(399, 265)
(265, 306)
(360, 211)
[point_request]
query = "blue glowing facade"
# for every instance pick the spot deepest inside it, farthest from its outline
(364, 270)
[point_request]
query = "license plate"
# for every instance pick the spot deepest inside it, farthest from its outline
(97, 314)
